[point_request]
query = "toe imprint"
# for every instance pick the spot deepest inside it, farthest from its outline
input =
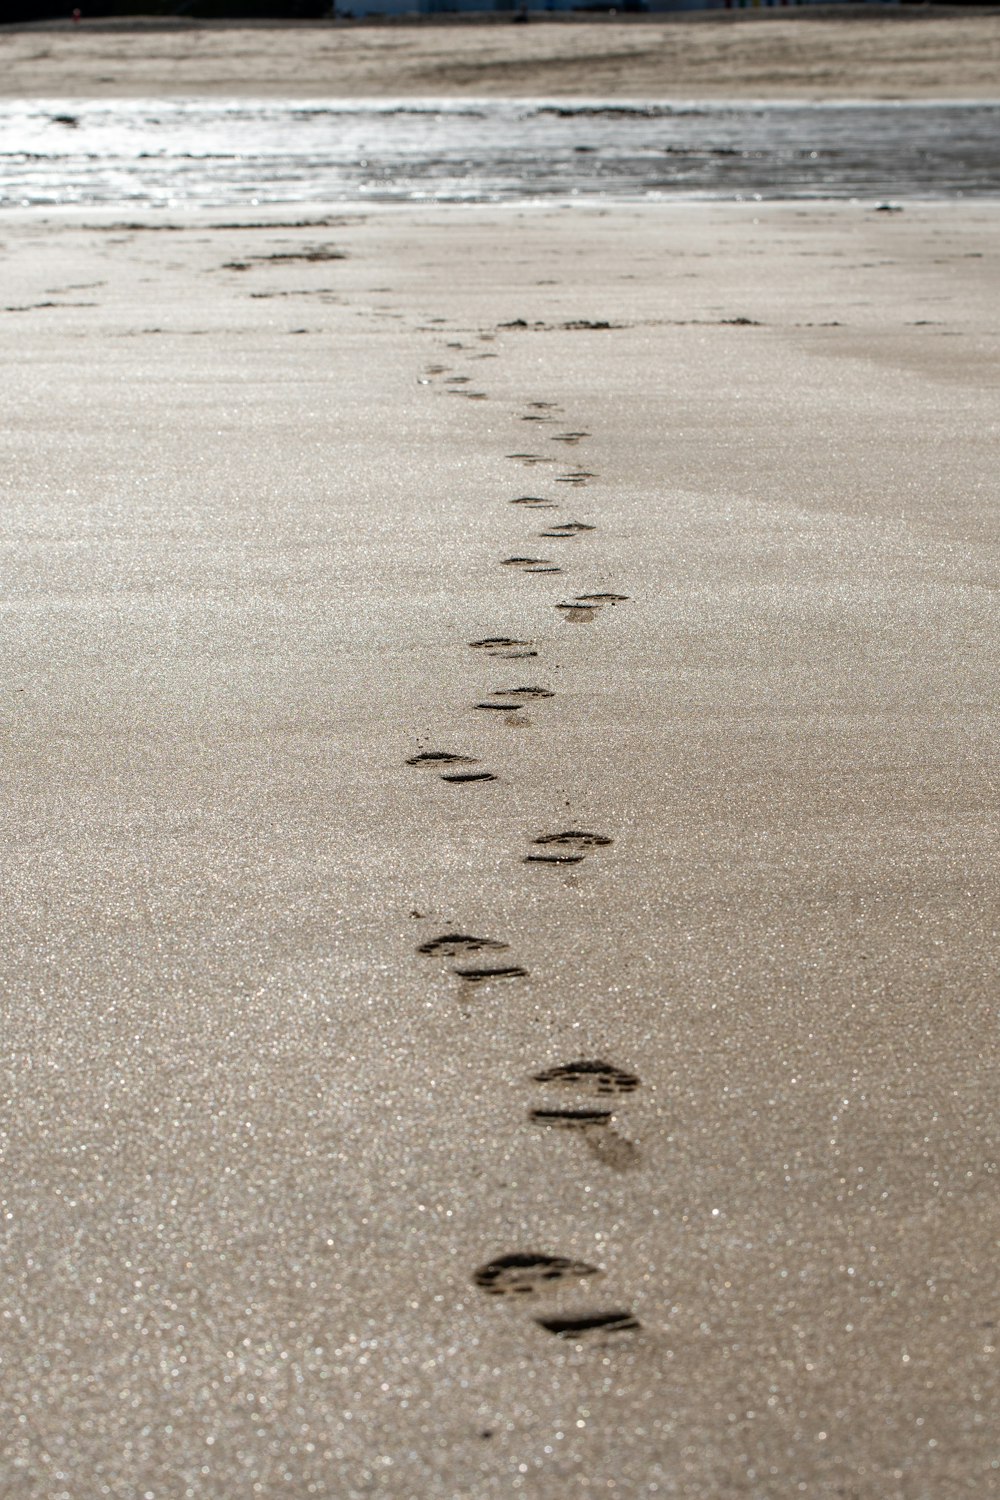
(525, 1274)
(455, 944)
(589, 1076)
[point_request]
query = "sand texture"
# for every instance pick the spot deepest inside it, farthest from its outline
(888, 55)
(270, 1133)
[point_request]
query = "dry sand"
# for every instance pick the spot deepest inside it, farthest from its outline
(256, 502)
(883, 55)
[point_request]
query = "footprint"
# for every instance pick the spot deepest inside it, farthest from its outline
(580, 476)
(544, 406)
(481, 976)
(530, 459)
(566, 848)
(566, 529)
(457, 944)
(504, 647)
(553, 859)
(532, 564)
(437, 758)
(568, 437)
(596, 1127)
(571, 1119)
(525, 1274)
(585, 606)
(589, 1076)
(580, 614)
(535, 502)
(502, 699)
(583, 1325)
(612, 1150)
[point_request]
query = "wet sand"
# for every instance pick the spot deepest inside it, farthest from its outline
(925, 53)
(268, 1149)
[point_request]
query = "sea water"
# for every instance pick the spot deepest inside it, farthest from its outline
(232, 153)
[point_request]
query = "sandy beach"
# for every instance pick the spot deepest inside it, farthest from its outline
(370, 1133)
(927, 53)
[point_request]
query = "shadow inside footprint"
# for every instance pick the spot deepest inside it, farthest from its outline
(583, 1325)
(535, 502)
(589, 1076)
(463, 776)
(525, 1274)
(527, 692)
(596, 599)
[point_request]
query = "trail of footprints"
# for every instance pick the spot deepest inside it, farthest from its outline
(577, 1097)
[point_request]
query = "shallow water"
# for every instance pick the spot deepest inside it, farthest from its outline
(230, 153)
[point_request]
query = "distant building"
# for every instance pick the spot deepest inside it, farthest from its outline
(359, 8)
